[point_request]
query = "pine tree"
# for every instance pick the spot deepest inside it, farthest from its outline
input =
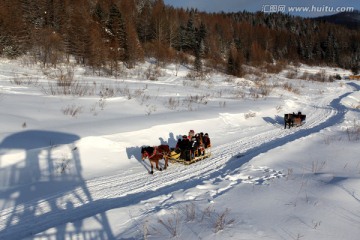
(118, 48)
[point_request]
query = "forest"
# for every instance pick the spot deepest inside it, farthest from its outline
(107, 35)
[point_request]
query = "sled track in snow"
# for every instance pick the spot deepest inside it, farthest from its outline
(121, 190)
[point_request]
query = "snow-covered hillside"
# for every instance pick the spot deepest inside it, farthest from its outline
(71, 166)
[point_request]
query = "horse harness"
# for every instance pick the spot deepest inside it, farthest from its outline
(152, 155)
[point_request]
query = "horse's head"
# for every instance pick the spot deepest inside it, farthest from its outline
(144, 152)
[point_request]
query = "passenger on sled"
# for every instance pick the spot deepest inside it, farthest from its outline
(184, 145)
(201, 148)
(191, 134)
(206, 141)
(194, 147)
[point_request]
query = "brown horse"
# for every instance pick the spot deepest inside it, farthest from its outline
(155, 154)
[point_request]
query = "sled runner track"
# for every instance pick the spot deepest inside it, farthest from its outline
(89, 197)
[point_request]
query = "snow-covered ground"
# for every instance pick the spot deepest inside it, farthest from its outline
(70, 166)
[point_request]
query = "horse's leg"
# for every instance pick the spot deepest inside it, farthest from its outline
(157, 166)
(166, 162)
(152, 167)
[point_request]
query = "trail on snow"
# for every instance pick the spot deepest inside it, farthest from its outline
(101, 194)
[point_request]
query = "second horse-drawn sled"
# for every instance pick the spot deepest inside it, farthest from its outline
(294, 119)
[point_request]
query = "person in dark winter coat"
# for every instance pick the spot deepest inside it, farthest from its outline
(185, 147)
(206, 141)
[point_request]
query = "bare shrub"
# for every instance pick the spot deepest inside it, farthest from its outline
(99, 104)
(320, 76)
(197, 99)
(65, 83)
(150, 109)
(230, 79)
(145, 230)
(187, 216)
(261, 87)
(265, 89)
(171, 224)
(72, 110)
(289, 87)
(102, 103)
(274, 68)
(291, 74)
(327, 140)
(249, 115)
(153, 72)
(353, 132)
(239, 93)
(207, 213)
(65, 76)
(290, 172)
(125, 91)
(138, 93)
(200, 99)
(316, 224)
(305, 75)
(173, 103)
(317, 166)
(74, 89)
(190, 212)
(222, 104)
(25, 80)
(254, 93)
(198, 75)
(63, 166)
(79, 89)
(107, 91)
(252, 71)
(143, 98)
(222, 220)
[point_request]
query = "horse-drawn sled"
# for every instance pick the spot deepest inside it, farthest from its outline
(188, 150)
(192, 148)
(294, 119)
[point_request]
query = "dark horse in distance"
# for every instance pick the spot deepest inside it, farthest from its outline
(155, 154)
(293, 119)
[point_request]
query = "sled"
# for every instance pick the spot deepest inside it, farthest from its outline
(175, 158)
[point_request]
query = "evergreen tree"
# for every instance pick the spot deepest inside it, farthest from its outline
(117, 29)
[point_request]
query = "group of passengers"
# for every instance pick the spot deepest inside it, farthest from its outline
(192, 145)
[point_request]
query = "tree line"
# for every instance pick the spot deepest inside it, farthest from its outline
(107, 34)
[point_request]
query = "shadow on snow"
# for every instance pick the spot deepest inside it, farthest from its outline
(35, 171)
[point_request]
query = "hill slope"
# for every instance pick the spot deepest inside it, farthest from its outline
(347, 19)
